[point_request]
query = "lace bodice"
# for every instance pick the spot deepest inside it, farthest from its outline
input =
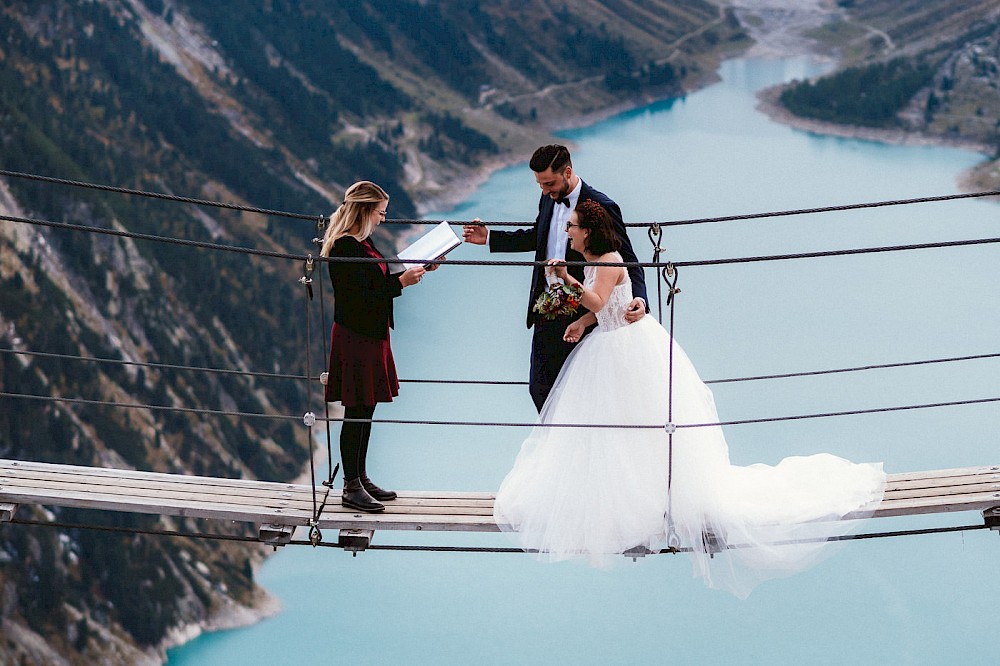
(612, 315)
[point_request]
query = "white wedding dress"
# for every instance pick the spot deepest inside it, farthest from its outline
(597, 492)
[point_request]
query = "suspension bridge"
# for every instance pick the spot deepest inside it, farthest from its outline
(278, 510)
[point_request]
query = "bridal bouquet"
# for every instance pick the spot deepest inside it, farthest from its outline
(558, 301)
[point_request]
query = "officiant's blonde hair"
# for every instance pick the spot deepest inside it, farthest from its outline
(354, 216)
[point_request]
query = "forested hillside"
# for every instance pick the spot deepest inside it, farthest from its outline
(277, 104)
(929, 66)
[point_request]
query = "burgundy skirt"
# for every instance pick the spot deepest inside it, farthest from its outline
(361, 370)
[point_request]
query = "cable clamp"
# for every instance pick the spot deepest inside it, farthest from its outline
(655, 230)
(307, 270)
(333, 475)
(306, 278)
(673, 541)
(670, 428)
(315, 536)
(991, 517)
(309, 419)
(670, 276)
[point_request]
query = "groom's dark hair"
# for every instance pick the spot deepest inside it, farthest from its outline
(593, 217)
(554, 156)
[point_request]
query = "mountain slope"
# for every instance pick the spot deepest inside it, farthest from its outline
(279, 105)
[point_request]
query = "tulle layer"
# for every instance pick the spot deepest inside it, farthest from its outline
(593, 493)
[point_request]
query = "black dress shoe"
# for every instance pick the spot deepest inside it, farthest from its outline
(375, 491)
(356, 497)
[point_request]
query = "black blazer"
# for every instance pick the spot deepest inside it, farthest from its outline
(537, 239)
(362, 293)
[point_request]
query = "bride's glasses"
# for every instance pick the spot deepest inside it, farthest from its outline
(569, 225)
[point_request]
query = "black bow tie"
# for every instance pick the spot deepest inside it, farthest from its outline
(563, 200)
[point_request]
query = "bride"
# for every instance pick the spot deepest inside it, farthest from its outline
(595, 492)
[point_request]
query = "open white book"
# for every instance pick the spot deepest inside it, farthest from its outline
(437, 242)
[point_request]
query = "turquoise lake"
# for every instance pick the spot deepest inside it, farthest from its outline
(926, 599)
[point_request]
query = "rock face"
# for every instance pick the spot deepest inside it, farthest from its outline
(279, 106)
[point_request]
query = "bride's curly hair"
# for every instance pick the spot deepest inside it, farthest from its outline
(592, 216)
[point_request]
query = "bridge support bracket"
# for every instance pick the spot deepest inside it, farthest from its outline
(355, 541)
(275, 535)
(992, 518)
(7, 512)
(637, 552)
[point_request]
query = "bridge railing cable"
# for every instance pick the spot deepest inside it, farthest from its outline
(668, 269)
(498, 424)
(488, 262)
(486, 382)
(668, 223)
(210, 536)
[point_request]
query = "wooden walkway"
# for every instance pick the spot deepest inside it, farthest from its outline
(277, 508)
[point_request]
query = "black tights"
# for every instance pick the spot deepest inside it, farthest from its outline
(354, 440)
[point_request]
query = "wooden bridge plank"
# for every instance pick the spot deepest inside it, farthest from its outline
(180, 486)
(168, 507)
(941, 473)
(943, 482)
(941, 504)
(246, 500)
(154, 496)
(115, 473)
(171, 495)
(151, 487)
(417, 522)
(943, 491)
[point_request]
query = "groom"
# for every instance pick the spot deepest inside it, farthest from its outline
(562, 189)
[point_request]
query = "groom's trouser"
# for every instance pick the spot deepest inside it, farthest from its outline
(548, 353)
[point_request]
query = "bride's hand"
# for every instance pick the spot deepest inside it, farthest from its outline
(557, 268)
(574, 331)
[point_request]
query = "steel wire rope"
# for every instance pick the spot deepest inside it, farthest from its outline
(133, 405)
(488, 382)
(831, 209)
(321, 223)
(27, 522)
(657, 232)
(673, 540)
(691, 221)
(850, 412)
(309, 418)
(154, 195)
(500, 424)
(158, 366)
(839, 253)
(488, 262)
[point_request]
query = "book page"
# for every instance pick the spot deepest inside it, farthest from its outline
(437, 242)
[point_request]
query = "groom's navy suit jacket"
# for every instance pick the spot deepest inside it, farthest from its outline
(537, 239)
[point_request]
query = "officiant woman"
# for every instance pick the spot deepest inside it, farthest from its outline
(361, 373)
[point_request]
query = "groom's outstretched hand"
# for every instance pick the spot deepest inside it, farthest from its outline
(474, 233)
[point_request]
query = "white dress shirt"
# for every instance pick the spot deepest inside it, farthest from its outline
(557, 226)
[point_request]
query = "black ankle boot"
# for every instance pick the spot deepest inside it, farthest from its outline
(375, 491)
(356, 497)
